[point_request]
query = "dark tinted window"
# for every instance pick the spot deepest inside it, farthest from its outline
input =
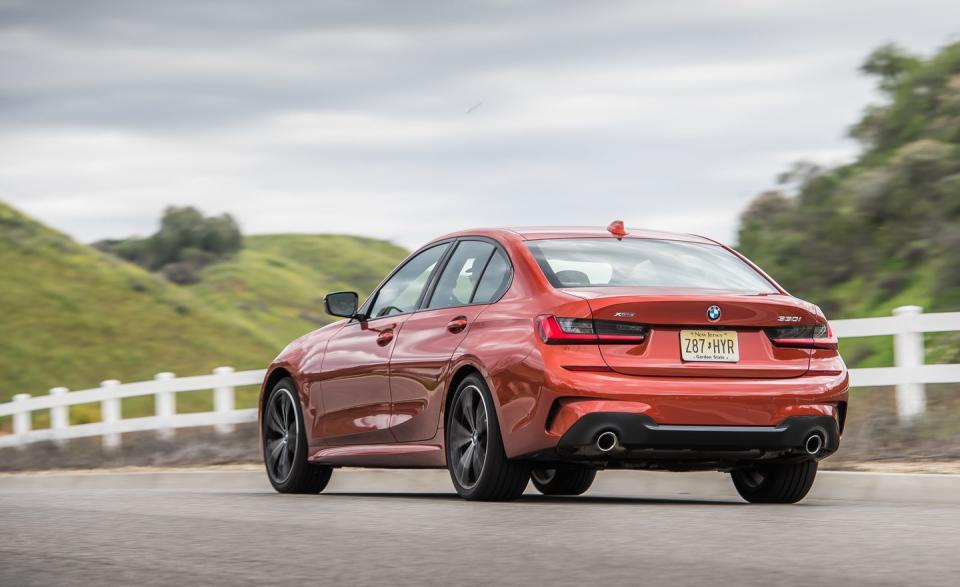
(495, 279)
(580, 262)
(402, 291)
(459, 278)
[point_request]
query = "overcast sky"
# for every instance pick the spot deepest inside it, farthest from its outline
(405, 120)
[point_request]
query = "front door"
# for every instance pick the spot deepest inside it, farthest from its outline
(354, 384)
(355, 387)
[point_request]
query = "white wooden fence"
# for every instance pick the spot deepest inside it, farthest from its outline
(163, 388)
(909, 375)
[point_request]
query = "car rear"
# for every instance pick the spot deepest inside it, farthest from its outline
(680, 354)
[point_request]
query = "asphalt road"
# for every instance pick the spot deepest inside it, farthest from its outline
(236, 532)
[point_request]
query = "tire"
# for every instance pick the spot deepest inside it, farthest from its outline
(775, 483)
(478, 465)
(282, 426)
(563, 480)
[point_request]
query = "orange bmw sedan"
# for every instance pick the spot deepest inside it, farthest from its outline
(548, 354)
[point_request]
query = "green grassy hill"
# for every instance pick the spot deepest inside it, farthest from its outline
(275, 285)
(71, 315)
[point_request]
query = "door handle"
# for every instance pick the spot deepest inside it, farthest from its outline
(457, 324)
(385, 336)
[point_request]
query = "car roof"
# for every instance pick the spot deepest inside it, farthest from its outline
(549, 232)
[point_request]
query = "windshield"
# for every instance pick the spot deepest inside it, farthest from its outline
(592, 262)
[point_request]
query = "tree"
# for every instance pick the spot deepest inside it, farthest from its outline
(889, 63)
(185, 242)
(853, 236)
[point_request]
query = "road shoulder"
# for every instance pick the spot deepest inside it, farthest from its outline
(830, 485)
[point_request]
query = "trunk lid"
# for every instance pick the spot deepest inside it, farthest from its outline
(667, 313)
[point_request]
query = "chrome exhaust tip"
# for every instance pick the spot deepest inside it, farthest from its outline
(813, 444)
(607, 441)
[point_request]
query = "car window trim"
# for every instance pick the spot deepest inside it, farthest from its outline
(473, 294)
(512, 272)
(453, 251)
(431, 284)
(441, 262)
(496, 245)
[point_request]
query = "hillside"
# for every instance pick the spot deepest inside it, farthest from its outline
(73, 316)
(884, 231)
(275, 285)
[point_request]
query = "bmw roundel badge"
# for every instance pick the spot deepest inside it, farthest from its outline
(713, 313)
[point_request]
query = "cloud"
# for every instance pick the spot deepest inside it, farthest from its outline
(353, 117)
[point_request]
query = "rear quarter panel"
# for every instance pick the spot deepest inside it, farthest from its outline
(502, 345)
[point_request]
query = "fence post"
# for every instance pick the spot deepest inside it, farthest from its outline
(223, 401)
(907, 357)
(59, 415)
(110, 416)
(21, 420)
(165, 406)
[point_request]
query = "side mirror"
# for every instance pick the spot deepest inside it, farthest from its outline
(342, 303)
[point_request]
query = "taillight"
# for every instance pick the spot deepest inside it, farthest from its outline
(806, 336)
(553, 330)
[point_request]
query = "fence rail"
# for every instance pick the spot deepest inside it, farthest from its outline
(909, 374)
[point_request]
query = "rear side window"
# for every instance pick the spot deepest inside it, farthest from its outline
(599, 262)
(461, 275)
(496, 278)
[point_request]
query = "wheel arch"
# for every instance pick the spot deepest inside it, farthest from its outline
(461, 372)
(273, 377)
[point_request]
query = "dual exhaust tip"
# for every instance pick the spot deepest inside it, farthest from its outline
(813, 444)
(608, 440)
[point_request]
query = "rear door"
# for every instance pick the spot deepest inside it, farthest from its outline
(476, 273)
(682, 323)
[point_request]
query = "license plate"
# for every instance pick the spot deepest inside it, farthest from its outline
(709, 345)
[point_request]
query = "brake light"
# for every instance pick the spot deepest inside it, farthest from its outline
(807, 336)
(553, 330)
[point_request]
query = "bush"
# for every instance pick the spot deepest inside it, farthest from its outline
(890, 284)
(186, 242)
(182, 273)
(886, 222)
(946, 295)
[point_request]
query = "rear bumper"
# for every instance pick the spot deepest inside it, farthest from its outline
(534, 422)
(640, 438)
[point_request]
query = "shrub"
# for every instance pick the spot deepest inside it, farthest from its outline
(186, 242)
(181, 273)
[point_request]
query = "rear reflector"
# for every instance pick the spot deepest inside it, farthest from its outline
(806, 336)
(589, 368)
(553, 330)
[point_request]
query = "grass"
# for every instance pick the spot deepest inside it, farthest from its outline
(275, 286)
(877, 351)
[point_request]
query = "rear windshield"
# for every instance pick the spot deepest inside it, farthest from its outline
(593, 262)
